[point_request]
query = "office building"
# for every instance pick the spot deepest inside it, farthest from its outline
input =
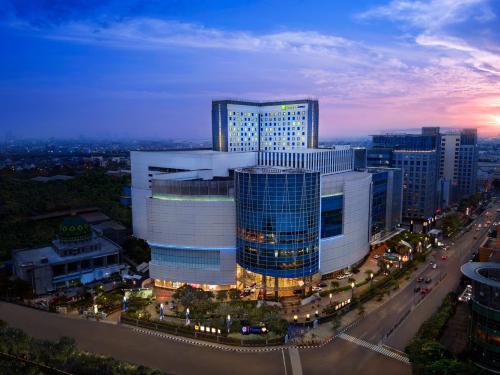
(280, 219)
(387, 200)
(78, 256)
(264, 126)
(458, 164)
(417, 157)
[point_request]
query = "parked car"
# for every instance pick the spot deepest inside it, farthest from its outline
(444, 257)
(420, 279)
(428, 280)
(322, 285)
(424, 291)
(434, 266)
(417, 289)
(317, 289)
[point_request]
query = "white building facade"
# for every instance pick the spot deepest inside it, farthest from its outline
(183, 205)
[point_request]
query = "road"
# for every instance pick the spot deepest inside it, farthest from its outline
(339, 357)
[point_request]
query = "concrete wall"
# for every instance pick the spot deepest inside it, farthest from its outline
(353, 245)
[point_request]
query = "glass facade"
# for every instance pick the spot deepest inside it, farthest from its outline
(277, 221)
(186, 258)
(484, 329)
(419, 182)
(379, 201)
(332, 208)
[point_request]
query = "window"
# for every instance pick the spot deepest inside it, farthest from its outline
(331, 215)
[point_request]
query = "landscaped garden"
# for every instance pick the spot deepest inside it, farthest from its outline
(226, 314)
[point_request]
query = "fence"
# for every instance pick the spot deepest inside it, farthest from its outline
(190, 333)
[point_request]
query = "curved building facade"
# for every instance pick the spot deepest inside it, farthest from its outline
(191, 233)
(277, 226)
(345, 220)
(484, 332)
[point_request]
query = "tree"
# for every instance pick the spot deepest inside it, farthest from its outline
(234, 294)
(222, 295)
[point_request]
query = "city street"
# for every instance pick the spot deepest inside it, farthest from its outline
(342, 356)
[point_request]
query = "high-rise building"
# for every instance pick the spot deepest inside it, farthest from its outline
(264, 126)
(280, 217)
(417, 157)
(453, 155)
(458, 163)
(387, 200)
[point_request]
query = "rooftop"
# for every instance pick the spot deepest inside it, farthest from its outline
(479, 271)
(48, 255)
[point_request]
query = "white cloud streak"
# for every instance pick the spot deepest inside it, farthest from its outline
(432, 14)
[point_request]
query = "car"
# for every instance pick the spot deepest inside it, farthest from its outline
(322, 285)
(444, 257)
(420, 279)
(428, 280)
(434, 266)
(417, 289)
(317, 289)
(424, 291)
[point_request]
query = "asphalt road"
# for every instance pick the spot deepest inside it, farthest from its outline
(339, 357)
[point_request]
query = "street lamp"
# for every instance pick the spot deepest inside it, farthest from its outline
(331, 296)
(228, 320)
(371, 279)
(316, 313)
(308, 316)
(352, 286)
(295, 318)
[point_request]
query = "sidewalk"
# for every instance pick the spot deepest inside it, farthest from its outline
(325, 332)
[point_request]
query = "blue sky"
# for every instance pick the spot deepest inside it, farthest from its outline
(149, 69)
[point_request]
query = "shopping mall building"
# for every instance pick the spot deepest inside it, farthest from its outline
(280, 218)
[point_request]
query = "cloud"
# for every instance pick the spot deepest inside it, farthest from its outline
(432, 14)
(482, 60)
(146, 32)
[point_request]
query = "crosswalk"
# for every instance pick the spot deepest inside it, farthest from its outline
(376, 348)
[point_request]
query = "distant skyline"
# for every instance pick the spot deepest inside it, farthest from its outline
(149, 69)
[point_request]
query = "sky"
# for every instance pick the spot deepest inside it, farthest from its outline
(150, 69)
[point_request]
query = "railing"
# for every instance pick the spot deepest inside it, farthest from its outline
(190, 333)
(210, 187)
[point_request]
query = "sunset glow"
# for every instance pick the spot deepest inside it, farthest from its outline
(154, 68)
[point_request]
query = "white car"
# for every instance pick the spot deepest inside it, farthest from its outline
(317, 289)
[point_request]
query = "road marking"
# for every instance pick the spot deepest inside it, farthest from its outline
(284, 361)
(295, 361)
(376, 348)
